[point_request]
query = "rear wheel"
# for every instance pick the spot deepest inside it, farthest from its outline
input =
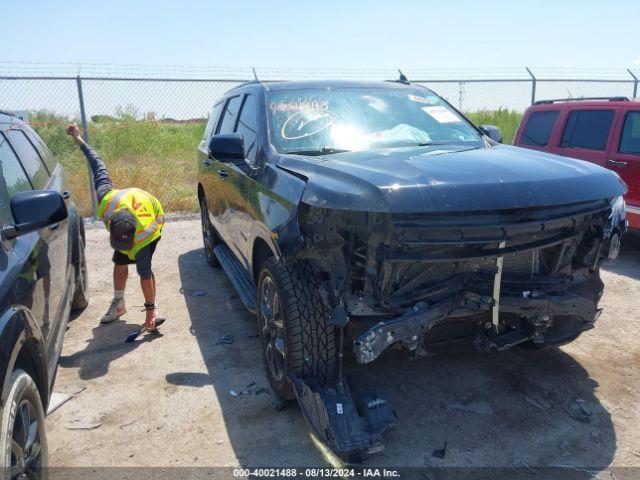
(294, 326)
(81, 291)
(23, 439)
(208, 235)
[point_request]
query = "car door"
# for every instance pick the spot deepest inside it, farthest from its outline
(624, 159)
(207, 175)
(20, 282)
(587, 133)
(228, 199)
(53, 272)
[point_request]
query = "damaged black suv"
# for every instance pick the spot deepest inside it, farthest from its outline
(365, 214)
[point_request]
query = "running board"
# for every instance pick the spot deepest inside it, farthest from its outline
(352, 430)
(238, 276)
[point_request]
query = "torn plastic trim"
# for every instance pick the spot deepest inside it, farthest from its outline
(410, 327)
(352, 430)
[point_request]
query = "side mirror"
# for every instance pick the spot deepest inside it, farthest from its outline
(492, 132)
(33, 210)
(227, 147)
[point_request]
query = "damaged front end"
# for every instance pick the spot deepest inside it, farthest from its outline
(501, 277)
(504, 277)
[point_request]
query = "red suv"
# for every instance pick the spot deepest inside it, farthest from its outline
(605, 131)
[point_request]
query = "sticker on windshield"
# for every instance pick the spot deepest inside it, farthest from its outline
(427, 100)
(441, 114)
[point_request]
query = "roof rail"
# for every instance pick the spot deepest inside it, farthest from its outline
(610, 99)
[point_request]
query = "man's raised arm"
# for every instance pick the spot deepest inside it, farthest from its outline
(101, 179)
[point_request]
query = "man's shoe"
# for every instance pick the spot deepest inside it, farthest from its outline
(116, 310)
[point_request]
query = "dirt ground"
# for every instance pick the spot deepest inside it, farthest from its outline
(166, 401)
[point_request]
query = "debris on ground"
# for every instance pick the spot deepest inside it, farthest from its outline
(57, 400)
(280, 405)
(578, 410)
(84, 426)
(440, 452)
(250, 388)
(483, 408)
(224, 339)
(539, 403)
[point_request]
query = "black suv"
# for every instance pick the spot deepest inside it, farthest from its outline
(367, 214)
(42, 277)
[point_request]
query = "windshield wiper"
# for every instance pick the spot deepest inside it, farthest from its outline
(428, 144)
(320, 151)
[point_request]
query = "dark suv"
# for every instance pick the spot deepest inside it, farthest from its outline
(42, 277)
(368, 214)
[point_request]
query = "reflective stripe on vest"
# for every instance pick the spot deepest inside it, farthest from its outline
(112, 204)
(144, 206)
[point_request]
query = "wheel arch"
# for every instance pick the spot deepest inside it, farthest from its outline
(22, 346)
(260, 252)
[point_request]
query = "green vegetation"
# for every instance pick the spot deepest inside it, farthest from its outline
(160, 155)
(507, 120)
(156, 155)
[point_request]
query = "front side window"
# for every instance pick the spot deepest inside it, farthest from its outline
(12, 179)
(337, 119)
(539, 128)
(587, 129)
(247, 126)
(230, 116)
(213, 121)
(630, 139)
(30, 158)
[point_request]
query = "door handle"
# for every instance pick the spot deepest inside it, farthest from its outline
(223, 173)
(206, 163)
(66, 195)
(615, 163)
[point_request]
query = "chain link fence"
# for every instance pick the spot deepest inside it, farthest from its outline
(140, 113)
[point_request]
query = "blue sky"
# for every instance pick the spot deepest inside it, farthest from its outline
(330, 33)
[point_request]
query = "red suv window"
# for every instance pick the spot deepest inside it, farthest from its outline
(539, 128)
(630, 138)
(587, 129)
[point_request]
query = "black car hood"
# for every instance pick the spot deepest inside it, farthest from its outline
(448, 179)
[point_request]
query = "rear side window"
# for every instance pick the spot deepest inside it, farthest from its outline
(12, 179)
(30, 158)
(587, 129)
(230, 116)
(539, 128)
(247, 126)
(630, 139)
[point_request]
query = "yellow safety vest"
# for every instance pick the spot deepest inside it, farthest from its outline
(146, 208)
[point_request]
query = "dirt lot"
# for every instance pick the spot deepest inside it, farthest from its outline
(166, 401)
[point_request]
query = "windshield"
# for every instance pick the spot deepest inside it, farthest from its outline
(332, 120)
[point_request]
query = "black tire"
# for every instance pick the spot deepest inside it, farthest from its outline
(209, 236)
(295, 331)
(23, 436)
(81, 290)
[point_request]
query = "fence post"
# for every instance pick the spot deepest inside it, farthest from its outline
(533, 86)
(85, 136)
(635, 83)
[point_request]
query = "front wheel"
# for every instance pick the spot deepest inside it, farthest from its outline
(23, 438)
(294, 326)
(208, 234)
